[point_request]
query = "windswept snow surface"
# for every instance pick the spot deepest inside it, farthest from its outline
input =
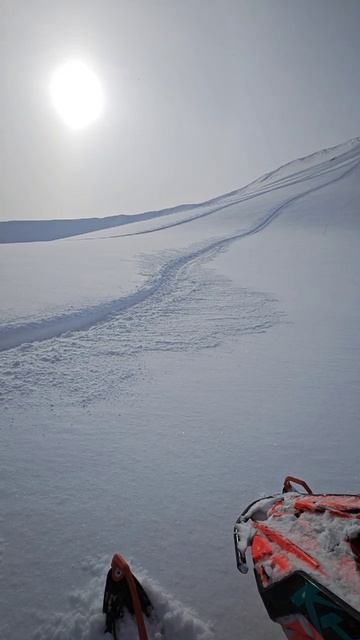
(159, 375)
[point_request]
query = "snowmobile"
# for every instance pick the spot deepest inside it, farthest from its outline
(305, 549)
(124, 592)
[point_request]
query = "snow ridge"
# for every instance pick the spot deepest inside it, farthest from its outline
(323, 174)
(350, 158)
(290, 173)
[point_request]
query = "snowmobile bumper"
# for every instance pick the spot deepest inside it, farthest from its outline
(305, 555)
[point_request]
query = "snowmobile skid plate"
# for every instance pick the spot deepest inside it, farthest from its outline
(306, 556)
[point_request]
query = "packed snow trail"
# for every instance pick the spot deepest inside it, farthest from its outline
(15, 334)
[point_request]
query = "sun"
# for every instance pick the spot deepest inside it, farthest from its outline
(76, 94)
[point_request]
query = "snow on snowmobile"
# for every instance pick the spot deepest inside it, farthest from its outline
(123, 592)
(305, 549)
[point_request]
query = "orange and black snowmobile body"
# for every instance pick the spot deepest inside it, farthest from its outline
(306, 556)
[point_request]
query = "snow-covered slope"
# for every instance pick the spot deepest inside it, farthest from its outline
(42, 302)
(158, 375)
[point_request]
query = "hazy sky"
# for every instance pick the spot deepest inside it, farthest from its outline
(202, 96)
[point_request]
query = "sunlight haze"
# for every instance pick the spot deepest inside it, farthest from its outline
(201, 98)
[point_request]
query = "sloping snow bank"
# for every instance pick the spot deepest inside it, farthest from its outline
(14, 231)
(46, 290)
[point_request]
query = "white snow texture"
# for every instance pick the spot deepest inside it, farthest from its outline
(160, 373)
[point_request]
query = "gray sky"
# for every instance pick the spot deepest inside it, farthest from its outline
(202, 96)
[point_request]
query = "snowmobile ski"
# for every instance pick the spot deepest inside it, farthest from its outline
(123, 592)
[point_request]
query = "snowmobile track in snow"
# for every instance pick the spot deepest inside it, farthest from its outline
(12, 336)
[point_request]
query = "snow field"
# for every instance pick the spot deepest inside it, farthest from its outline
(153, 385)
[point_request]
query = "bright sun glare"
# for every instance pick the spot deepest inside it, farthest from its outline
(76, 94)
